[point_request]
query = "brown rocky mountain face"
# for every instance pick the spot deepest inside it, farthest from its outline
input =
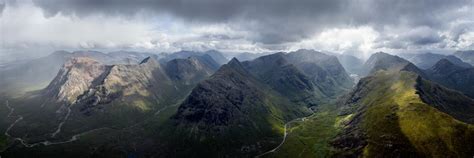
(74, 78)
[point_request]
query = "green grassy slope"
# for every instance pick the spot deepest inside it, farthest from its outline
(395, 122)
(310, 137)
(389, 120)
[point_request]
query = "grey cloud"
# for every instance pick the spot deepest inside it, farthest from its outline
(2, 7)
(415, 37)
(461, 29)
(274, 21)
(422, 36)
(218, 37)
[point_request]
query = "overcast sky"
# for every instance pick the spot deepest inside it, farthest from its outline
(358, 27)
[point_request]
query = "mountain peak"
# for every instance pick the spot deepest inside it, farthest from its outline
(233, 65)
(443, 63)
(233, 61)
(145, 60)
(149, 61)
(444, 66)
(381, 54)
(80, 61)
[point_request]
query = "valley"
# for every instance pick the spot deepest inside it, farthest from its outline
(303, 104)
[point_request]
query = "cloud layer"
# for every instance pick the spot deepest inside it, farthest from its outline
(248, 25)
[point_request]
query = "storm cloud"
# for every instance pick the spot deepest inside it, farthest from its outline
(274, 21)
(259, 25)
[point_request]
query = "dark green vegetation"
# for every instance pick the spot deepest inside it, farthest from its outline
(310, 136)
(297, 104)
(453, 76)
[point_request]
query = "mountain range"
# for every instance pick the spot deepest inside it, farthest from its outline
(200, 104)
(427, 60)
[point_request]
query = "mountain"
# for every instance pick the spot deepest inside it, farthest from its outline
(117, 57)
(297, 104)
(453, 76)
(399, 114)
(324, 70)
(38, 73)
(245, 56)
(74, 78)
(383, 61)
(275, 71)
(466, 56)
(243, 107)
(229, 110)
(88, 95)
(427, 60)
(216, 55)
(130, 57)
(140, 85)
(191, 70)
(351, 64)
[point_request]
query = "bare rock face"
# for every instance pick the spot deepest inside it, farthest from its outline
(74, 78)
(128, 83)
(134, 79)
(90, 82)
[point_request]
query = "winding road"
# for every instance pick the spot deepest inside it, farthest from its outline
(284, 136)
(58, 130)
(45, 143)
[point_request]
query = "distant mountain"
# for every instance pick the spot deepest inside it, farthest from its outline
(399, 114)
(231, 105)
(324, 70)
(304, 76)
(130, 57)
(383, 61)
(466, 56)
(117, 57)
(352, 64)
(191, 70)
(217, 56)
(427, 60)
(286, 78)
(453, 76)
(245, 56)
